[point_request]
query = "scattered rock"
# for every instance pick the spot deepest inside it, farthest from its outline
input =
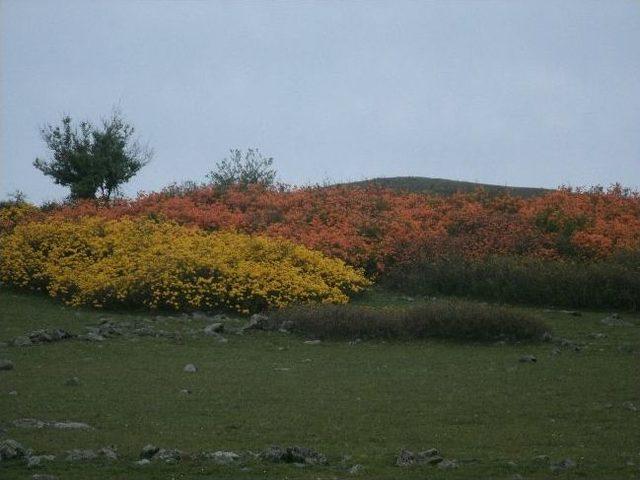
(6, 364)
(356, 469)
(528, 359)
(222, 457)
(190, 368)
(214, 328)
(34, 461)
(405, 458)
(614, 320)
(293, 454)
(79, 455)
(72, 382)
(10, 449)
(313, 342)
(38, 424)
(42, 336)
(168, 455)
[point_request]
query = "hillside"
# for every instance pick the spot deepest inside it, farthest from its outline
(441, 186)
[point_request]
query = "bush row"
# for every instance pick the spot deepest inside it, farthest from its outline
(611, 283)
(163, 265)
(439, 319)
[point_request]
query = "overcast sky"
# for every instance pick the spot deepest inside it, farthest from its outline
(530, 93)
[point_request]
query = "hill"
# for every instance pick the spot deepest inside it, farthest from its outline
(441, 186)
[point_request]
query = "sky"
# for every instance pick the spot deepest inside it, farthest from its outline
(525, 93)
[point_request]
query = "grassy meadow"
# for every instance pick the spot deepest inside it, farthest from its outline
(356, 402)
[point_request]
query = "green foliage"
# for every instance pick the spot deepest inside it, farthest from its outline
(440, 319)
(243, 168)
(90, 159)
(613, 283)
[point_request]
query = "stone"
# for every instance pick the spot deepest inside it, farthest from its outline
(294, 454)
(405, 458)
(6, 365)
(614, 320)
(43, 476)
(10, 449)
(93, 337)
(597, 335)
(222, 457)
(313, 342)
(72, 382)
(168, 455)
(448, 464)
(38, 424)
(528, 359)
(80, 455)
(214, 328)
(148, 451)
(108, 452)
(429, 457)
(143, 462)
(630, 406)
(257, 321)
(21, 341)
(356, 469)
(13, 393)
(190, 368)
(185, 391)
(34, 461)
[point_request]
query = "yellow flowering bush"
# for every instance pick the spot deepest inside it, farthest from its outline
(101, 262)
(12, 213)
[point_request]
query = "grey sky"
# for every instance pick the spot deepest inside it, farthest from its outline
(529, 93)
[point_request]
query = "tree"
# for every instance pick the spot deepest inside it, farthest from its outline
(243, 168)
(92, 159)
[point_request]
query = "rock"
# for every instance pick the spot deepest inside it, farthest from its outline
(429, 457)
(405, 458)
(528, 359)
(6, 365)
(448, 464)
(630, 406)
(72, 382)
(21, 341)
(168, 455)
(185, 391)
(293, 454)
(597, 335)
(93, 337)
(222, 457)
(10, 449)
(4, 344)
(313, 342)
(37, 460)
(148, 451)
(13, 393)
(614, 320)
(38, 424)
(356, 469)
(190, 368)
(43, 476)
(214, 328)
(79, 455)
(573, 313)
(143, 462)
(108, 452)
(257, 321)
(565, 464)
(541, 460)
(517, 476)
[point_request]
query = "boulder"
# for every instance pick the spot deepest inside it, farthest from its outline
(34, 461)
(190, 368)
(528, 359)
(10, 449)
(214, 329)
(222, 457)
(6, 364)
(80, 455)
(148, 451)
(257, 321)
(405, 458)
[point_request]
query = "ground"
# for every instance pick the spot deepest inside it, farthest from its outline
(476, 403)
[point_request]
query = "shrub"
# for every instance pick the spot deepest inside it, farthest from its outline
(163, 265)
(440, 319)
(606, 283)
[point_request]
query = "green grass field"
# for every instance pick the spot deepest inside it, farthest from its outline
(474, 402)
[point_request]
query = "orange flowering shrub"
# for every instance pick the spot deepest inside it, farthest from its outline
(374, 228)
